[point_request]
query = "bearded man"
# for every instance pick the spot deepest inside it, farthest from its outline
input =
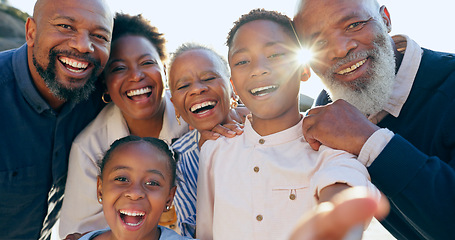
(48, 96)
(393, 107)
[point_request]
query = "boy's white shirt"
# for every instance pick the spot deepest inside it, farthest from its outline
(274, 177)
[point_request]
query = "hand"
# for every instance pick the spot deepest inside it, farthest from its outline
(232, 128)
(338, 125)
(349, 210)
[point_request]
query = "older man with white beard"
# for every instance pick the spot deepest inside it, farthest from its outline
(393, 107)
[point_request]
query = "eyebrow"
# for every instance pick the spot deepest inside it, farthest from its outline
(268, 44)
(342, 20)
(71, 19)
(157, 172)
(121, 60)
(154, 171)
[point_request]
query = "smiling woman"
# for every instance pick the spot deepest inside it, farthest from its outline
(135, 79)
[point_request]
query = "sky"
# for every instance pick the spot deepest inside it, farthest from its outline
(208, 21)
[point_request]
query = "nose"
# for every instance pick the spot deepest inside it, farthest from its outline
(198, 88)
(340, 47)
(136, 75)
(82, 43)
(260, 67)
(134, 192)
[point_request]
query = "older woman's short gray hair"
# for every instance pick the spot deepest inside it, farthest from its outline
(185, 47)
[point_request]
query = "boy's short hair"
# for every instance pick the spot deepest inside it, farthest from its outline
(125, 24)
(262, 14)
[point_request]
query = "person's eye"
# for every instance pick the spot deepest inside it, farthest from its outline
(118, 69)
(65, 26)
(153, 183)
(319, 44)
(149, 62)
(209, 79)
(183, 86)
(239, 63)
(101, 37)
(121, 179)
(276, 55)
(357, 25)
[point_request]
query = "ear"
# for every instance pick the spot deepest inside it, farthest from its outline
(170, 198)
(306, 73)
(30, 31)
(386, 17)
(99, 187)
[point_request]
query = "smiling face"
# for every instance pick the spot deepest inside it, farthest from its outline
(135, 78)
(352, 50)
(69, 45)
(265, 71)
(135, 187)
(200, 88)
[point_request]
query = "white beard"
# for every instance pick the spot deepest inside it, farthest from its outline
(369, 95)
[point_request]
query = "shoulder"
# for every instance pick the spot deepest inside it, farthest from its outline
(222, 145)
(188, 140)
(6, 65)
(103, 130)
(94, 234)
(168, 234)
(436, 64)
(440, 68)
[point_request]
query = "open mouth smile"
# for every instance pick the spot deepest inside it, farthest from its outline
(352, 68)
(73, 65)
(132, 218)
(262, 91)
(138, 94)
(200, 108)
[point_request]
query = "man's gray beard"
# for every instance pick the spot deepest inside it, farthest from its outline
(369, 95)
(59, 90)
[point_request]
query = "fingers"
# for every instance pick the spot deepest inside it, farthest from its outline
(228, 130)
(307, 129)
(350, 210)
(207, 135)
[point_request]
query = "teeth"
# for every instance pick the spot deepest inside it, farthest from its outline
(352, 68)
(136, 92)
(74, 64)
(134, 224)
(195, 107)
(132, 214)
(255, 90)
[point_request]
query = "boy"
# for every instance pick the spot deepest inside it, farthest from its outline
(257, 185)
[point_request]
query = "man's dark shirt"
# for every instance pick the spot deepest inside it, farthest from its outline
(34, 147)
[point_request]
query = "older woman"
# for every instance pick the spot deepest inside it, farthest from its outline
(135, 80)
(203, 97)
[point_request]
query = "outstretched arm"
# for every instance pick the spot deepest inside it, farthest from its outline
(333, 220)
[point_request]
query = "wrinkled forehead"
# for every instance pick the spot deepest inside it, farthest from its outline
(317, 16)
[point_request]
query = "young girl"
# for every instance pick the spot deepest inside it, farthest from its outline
(136, 185)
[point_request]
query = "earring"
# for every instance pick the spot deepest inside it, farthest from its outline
(234, 101)
(168, 207)
(100, 200)
(178, 118)
(106, 97)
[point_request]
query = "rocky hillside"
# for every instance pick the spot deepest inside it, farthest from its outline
(12, 30)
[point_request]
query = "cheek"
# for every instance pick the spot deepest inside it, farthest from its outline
(113, 84)
(103, 53)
